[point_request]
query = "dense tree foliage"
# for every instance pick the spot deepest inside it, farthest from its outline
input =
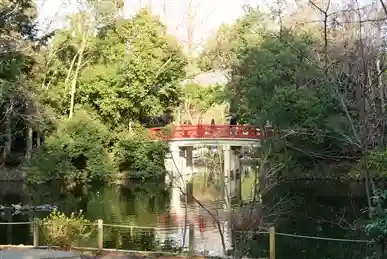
(75, 152)
(310, 93)
(320, 87)
(76, 101)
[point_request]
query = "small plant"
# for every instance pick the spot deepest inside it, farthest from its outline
(65, 232)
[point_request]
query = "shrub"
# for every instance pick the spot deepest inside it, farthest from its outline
(140, 157)
(76, 153)
(66, 232)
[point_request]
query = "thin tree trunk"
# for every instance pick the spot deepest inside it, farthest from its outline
(71, 69)
(380, 107)
(190, 29)
(8, 132)
(74, 82)
(188, 111)
(38, 136)
(29, 137)
(29, 142)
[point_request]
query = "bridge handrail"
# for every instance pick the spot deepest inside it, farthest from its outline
(208, 131)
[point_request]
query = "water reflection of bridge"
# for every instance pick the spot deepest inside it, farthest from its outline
(207, 238)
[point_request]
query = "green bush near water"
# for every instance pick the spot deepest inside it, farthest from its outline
(82, 150)
(66, 231)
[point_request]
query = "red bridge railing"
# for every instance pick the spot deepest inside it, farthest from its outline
(206, 131)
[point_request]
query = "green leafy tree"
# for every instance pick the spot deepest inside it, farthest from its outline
(137, 73)
(19, 66)
(139, 157)
(197, 100)
(222, 51)
(376, 227)
(126, 73)
(76, 152)
(314, 98)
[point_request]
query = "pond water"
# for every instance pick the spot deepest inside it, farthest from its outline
(312, 213)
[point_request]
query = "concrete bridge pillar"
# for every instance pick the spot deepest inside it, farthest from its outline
(182, 169)
(188, 164)
(188, 173)
(232, 175)
(173, 175)
(226, 186)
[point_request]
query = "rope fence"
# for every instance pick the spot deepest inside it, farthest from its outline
(97, 240)
(17, 223)
(310, 237)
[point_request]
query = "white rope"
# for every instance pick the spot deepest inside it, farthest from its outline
(16, 223)
(251, 231)
(325, 238)
(313, 237)
(138, 227)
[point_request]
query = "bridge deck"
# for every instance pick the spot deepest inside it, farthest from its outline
(207, 134)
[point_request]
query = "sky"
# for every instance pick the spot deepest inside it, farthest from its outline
(208, 14)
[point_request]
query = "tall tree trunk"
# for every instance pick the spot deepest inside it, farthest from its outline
(29, 137)
(190, 28)
(8, 132)
(38, 140)
(70, 69)
(380, 105)
(29, 142)
(75, 78)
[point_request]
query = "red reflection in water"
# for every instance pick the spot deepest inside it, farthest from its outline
(179, 219)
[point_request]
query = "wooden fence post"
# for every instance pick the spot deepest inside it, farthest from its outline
(191, 250)
(35, 228)
(272, 242)
(100, 234)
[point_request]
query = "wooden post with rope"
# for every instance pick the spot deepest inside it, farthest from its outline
(272, 242)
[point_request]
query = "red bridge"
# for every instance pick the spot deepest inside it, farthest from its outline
(207, 132)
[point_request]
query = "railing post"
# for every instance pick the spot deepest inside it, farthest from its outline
(191, 249)
(35, 227)
(272, 242)
(100, 234)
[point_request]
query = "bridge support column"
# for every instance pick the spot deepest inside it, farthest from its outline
(188, 163)
(188, 173)
(176, 174)
(238, 176)
(226, 176)
(181, 176)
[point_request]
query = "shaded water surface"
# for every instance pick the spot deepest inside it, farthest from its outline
(161, 213)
